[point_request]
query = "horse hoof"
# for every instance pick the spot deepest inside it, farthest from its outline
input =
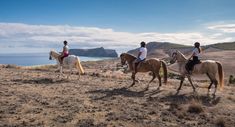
(177, 92)
(146, 89)
(159, 88)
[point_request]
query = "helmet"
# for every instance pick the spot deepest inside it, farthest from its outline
(65, 42)
(142, 44)
(197, 44)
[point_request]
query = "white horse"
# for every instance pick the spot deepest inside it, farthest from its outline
(208, 67)
(71, 61)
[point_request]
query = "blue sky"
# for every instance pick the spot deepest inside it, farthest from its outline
(38, 25)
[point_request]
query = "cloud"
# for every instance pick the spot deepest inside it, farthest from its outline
(19, 37)
(227, 28)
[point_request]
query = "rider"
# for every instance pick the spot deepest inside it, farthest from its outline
(141, 55)
(65, 52)
(196, 55)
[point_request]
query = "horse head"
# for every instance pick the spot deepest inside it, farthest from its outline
(53, 55)
(123, 60)
(173, 57)
(50, 58)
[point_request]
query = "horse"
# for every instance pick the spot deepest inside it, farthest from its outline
(71, 61)
(208, 67)
(153, 65)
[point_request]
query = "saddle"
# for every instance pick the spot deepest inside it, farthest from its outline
(142, 61)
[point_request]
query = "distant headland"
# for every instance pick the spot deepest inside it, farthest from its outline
(95, 52)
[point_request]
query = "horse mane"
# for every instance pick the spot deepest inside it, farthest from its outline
(53, 50)
(181, 54)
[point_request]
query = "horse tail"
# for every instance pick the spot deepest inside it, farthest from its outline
(164, 70)
(79, 66)
(221, 74)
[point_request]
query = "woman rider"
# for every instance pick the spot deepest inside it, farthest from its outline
(65, 52)
(196, 55)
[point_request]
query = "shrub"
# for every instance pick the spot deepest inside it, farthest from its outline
(195, 108)
(231, 79)
(220, 122)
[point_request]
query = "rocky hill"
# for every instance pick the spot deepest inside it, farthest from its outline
(224, 46)
(96, 52)
(161, 49)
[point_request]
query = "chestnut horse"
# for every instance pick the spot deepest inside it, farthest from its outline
(151, 65)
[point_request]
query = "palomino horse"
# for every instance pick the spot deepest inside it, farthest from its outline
(152, 65)
(208, 67)
(70, 61)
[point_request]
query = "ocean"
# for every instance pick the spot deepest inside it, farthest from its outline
(31, 59)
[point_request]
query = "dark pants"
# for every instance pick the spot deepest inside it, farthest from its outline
(189, 66)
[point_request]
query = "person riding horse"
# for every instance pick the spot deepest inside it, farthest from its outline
(141, 56)
(65, 52)
(196, 55)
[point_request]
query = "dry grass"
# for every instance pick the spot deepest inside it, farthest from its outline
(40, 67)
(195, 107)
(35, 96)
(220, 122)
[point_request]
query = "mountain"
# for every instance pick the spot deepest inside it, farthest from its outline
(162, 49)
(224, 46)
(96, 52)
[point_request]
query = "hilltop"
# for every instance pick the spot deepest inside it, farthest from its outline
(161, 49)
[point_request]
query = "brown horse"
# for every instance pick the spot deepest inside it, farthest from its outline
(153, 65)
(208, 67)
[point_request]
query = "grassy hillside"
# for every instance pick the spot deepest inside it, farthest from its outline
(224, 46)
(154, 47)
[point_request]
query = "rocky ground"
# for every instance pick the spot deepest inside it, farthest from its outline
(37, 97)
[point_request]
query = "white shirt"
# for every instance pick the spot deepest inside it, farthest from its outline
(143, 54)
(66, 48)
(196, 53)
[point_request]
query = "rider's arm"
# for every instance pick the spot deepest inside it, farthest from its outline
(191, 55)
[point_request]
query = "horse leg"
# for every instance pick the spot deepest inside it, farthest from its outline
(181, 82)
(160, 81)
(209, 88)
(61, 71)
(190, 81)
(70, 72)
(216, 83)
(133, 78)
(154, 76)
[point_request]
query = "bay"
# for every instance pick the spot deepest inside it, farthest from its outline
(31, 59)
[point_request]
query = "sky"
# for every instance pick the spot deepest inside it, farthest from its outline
(42, 25)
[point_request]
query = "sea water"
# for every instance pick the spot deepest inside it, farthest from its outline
(30, 59)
